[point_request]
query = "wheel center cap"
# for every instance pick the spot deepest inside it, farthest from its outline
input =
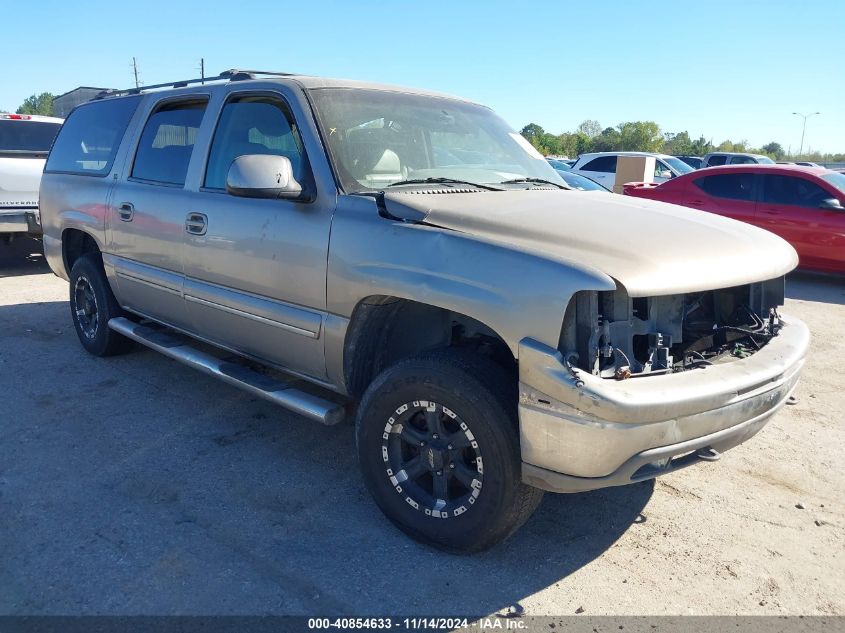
(434, 459)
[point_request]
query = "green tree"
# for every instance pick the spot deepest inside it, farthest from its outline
(607, 141)
(700, 147)
(640, 136)
(37, 104)
(589, 128)
(532, 131)
(773, 149)
(678, 144)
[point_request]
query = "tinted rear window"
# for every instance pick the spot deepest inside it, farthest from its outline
(605, 164)
(90, 137)
(27, 137)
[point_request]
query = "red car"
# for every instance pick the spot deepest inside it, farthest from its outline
(804, 205)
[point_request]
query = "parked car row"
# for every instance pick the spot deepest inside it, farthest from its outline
(804, 205)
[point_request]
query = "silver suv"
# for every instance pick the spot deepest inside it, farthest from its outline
(406, 259)
(714, 159)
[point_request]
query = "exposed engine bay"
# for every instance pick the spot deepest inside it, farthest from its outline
(615, 336)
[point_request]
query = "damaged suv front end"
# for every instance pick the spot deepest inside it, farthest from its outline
(641, 386)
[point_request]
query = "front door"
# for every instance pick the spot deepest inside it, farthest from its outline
(255, 269)
(146, 214)
(789, 207)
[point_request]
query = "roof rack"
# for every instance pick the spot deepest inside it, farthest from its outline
(233, 74)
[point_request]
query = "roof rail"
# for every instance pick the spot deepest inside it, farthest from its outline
(233, 74)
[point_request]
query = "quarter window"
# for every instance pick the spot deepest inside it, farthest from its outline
(254, 125)
(89, 138)
(167, 142)
(788, 190)
(731, 186)
(604, 164)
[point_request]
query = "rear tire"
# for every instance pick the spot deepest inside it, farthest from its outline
(438, 445)
(92, 304)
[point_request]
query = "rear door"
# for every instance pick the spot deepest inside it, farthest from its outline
(147, 211)
(602, 169)
(730, 195)
(256, 270)
(789, 207)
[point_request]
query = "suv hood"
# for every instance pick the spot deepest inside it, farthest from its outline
(652, 248)
(20, 177)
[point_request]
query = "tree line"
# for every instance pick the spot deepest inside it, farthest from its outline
(646, 136)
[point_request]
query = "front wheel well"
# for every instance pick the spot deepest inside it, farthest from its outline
(384, 330)
(75, 244)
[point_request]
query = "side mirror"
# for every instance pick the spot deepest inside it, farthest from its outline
(262, 176)
(831, 204)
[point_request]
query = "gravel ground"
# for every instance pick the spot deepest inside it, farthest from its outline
(134, 485)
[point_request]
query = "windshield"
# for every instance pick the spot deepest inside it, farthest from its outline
(581, 183)
(27, 137)
(377, 138)
(837, 179)
(677, 164)
(765, 160)
(558, 165)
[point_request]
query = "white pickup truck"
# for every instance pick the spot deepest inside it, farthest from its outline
(25, 140)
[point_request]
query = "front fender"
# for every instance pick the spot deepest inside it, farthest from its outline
(515, 292)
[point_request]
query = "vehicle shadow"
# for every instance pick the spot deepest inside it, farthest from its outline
(808, 286)
(222, 503)
(23, 256)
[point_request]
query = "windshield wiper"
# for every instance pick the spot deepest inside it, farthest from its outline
(448, 181)
(541, 181)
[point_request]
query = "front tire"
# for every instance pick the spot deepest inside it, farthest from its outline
(92, 304)
(438, 444)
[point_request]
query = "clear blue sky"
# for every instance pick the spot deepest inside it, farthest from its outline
(725, 69)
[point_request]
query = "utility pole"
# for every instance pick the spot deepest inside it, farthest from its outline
(202, 69)
(804, 129)
(135, 70)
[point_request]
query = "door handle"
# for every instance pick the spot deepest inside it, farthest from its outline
(126, 210)
(196, 223)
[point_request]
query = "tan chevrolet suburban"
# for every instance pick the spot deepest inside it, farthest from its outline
(346, 249)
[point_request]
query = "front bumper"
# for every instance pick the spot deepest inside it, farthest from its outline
(580, 432)
(20, 221)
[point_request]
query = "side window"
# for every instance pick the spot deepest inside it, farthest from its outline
(731, 186)
(89, 138)
(788, 190)
(254, 125)
(167, 141)
(605, 164)
(716, 160)
(661, 170)
(742, 160)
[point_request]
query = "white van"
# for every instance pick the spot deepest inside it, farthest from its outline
(601, 166)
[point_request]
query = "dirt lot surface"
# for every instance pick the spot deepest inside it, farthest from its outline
(135, 485)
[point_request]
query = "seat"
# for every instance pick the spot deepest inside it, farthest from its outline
(370, 160)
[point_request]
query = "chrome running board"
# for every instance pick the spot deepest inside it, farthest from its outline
(281, 392)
